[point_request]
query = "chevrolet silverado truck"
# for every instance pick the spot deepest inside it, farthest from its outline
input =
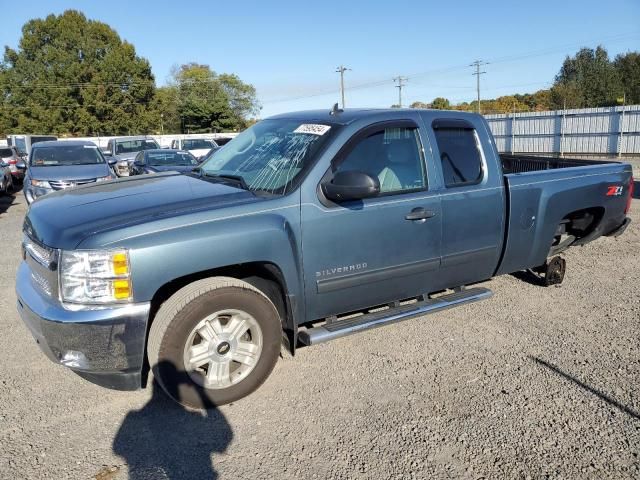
(305, 228)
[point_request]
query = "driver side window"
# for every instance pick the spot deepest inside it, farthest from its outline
(392, 155)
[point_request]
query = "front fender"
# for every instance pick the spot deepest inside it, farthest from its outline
(164, 255)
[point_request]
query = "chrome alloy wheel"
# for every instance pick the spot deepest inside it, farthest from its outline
(223, 349)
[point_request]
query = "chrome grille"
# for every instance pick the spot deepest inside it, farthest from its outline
(62, 184)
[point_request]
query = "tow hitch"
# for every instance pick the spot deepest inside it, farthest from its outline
(552, 271)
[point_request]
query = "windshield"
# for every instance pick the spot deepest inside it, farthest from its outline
(133, 146)
(66, 155)
(269, 155)
(192, 144)
(170, 158)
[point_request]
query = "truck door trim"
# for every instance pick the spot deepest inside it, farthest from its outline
(377, 275)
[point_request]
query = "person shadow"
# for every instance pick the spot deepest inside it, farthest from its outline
(163, 440)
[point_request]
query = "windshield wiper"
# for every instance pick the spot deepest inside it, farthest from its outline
(236, 179)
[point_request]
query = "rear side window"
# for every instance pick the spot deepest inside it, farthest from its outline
(6, 152)
(459, 154)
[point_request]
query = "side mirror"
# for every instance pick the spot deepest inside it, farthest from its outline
(351, 185)
(111, 161)
(21, 165)
(4, 165)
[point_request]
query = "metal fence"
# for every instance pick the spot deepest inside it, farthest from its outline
(610, 131)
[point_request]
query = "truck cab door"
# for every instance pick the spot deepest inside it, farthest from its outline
(361, 253)
(473, 203)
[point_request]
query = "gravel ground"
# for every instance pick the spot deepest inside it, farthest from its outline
(534, 382)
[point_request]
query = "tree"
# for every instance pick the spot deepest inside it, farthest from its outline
(587, 80)
(211, 102)
(419, 105)
(628, 68)
(440, 103)
(74, 75)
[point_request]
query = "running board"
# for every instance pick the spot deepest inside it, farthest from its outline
(342, 328)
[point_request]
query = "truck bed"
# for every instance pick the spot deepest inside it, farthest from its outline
(532, 163)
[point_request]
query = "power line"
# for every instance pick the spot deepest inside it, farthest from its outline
(401, 82)
(477, 64)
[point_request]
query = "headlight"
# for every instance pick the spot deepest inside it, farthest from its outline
(104, 179)
(95, 276)
(40, 183)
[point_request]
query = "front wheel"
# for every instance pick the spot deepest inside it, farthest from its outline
(214, 342)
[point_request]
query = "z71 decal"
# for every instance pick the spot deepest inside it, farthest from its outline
(614, 190)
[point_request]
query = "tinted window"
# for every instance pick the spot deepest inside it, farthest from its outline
(392, 155)
(460, 156)
(192, 144)
(132, 146)
(170, 158)
(5, 152)
(66, 155)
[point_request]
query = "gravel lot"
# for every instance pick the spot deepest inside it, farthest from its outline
(534, 382)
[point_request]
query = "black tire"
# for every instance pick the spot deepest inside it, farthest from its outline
(179, 315)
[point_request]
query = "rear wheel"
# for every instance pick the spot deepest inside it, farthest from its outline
(214, 341)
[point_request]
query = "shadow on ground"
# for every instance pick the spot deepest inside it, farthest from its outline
(598, 393)
(163, 440)
(528, 277)
(8, 200)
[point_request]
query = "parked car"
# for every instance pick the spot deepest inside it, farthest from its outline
(196, 146)
(6, 178)
(60, 165)
(24, 143)
(208, 155)
(307, 227)
(13, 159)
(125, 149)
(163, 160)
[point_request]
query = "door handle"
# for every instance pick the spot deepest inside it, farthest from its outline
(420, 215)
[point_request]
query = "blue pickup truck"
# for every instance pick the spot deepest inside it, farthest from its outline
(305, 228)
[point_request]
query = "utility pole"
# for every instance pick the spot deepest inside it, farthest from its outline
(477, 64)
(341, 69)
(161, 124)
(401, 82)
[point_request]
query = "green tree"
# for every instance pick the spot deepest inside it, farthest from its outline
(589, 79)
(211, 102)
(628, 68)
(440, 103)
(74, 75)
(419, 105)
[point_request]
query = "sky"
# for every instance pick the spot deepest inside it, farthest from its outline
(289, 50)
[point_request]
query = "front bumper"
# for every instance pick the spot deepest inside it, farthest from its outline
(103, 345)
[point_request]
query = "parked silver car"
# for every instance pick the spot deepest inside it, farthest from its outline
(6, 184)
(11, 156)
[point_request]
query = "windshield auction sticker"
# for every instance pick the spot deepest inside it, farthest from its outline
(312, 128)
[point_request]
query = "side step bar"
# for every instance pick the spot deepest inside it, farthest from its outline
(342, 328)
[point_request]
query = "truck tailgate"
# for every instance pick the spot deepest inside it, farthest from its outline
(537, 201)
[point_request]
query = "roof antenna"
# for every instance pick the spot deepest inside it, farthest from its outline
(335, 110)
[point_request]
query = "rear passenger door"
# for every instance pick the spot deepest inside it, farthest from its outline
(367, 252)
(473, 204)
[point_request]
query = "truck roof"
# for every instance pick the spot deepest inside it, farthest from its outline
(350, 115)
(132, 137)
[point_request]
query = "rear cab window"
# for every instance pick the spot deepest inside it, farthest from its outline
(460, 152)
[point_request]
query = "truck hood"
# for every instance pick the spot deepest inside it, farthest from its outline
(65, 218)
(69, 172)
